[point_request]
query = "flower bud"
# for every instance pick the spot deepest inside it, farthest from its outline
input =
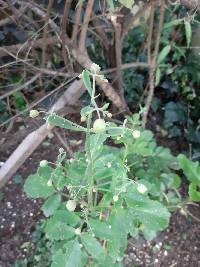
(83, 118)
(95, 68)
(99, 126)
(33, 113)
(43, 163)
(115, 198)
(71, 205)
(136, 134)
(141, 188)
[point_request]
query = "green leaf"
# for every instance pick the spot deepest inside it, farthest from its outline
(72, 257)
(58, 230)
(127, 3)
(87, 110)
(86, 81)
(158, 76)
(172, 23)
(191, 169)
(51, 205)
(100, 228)
(111, 4)
(188, 32)
(36, 186)
(152, 214)
(92, 246)
(65, 216)
(193, 192)
(64, 123)
(163, 54)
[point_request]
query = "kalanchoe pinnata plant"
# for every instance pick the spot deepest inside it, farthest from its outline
(94, 201)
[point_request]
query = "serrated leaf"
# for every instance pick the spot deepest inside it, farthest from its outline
(72, 257)
(36, 186)
(64, 123)
(194, 193)
(163, 54)
(86, 81)
(57, 230)
(152, 214)
(188, 32)
(100, 229)
(92, 246)
(191, 169)
(51, 205)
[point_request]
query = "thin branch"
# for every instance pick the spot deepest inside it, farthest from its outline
(84, 29)
(26, 84)
(152, 68)
(49, 7)
(76, 24)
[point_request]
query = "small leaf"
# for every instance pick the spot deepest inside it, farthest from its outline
(92, 246)
(193, 193)
(36, 186)
(87, 82)
(172, 23)
(51, 205)
(100, 228)
(163, 54)
(64, 123)
(188, 32)
(127, 3)
(158, 76)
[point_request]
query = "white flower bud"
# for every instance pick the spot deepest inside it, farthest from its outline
(141, 188)
(136, 134)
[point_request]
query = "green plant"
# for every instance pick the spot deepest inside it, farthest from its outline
(106, 193)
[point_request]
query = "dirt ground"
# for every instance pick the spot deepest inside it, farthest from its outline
(178, 246)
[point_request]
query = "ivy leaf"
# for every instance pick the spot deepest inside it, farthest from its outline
(86, 81)
(188, 32)
(64, 123)
(36, 186)
(72, 257)
(193, 193)
(163, 54)
(92, 246)
(51, 205)
(191, 169)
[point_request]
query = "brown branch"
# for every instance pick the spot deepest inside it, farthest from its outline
(101, 33)
(76, 24)
(118, 56)
(152, 69)
(84, 29)
(34, 139)
(149, 39)
(49, 7)
(64, 36)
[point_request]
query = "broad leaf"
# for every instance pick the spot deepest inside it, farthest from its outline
(193, 192)
(36, 186)
(191, 169)
(71, 258)
(51, 205)
(92, 246)
(100, 229)
(152, 214)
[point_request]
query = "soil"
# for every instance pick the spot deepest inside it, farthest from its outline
(178, 246)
